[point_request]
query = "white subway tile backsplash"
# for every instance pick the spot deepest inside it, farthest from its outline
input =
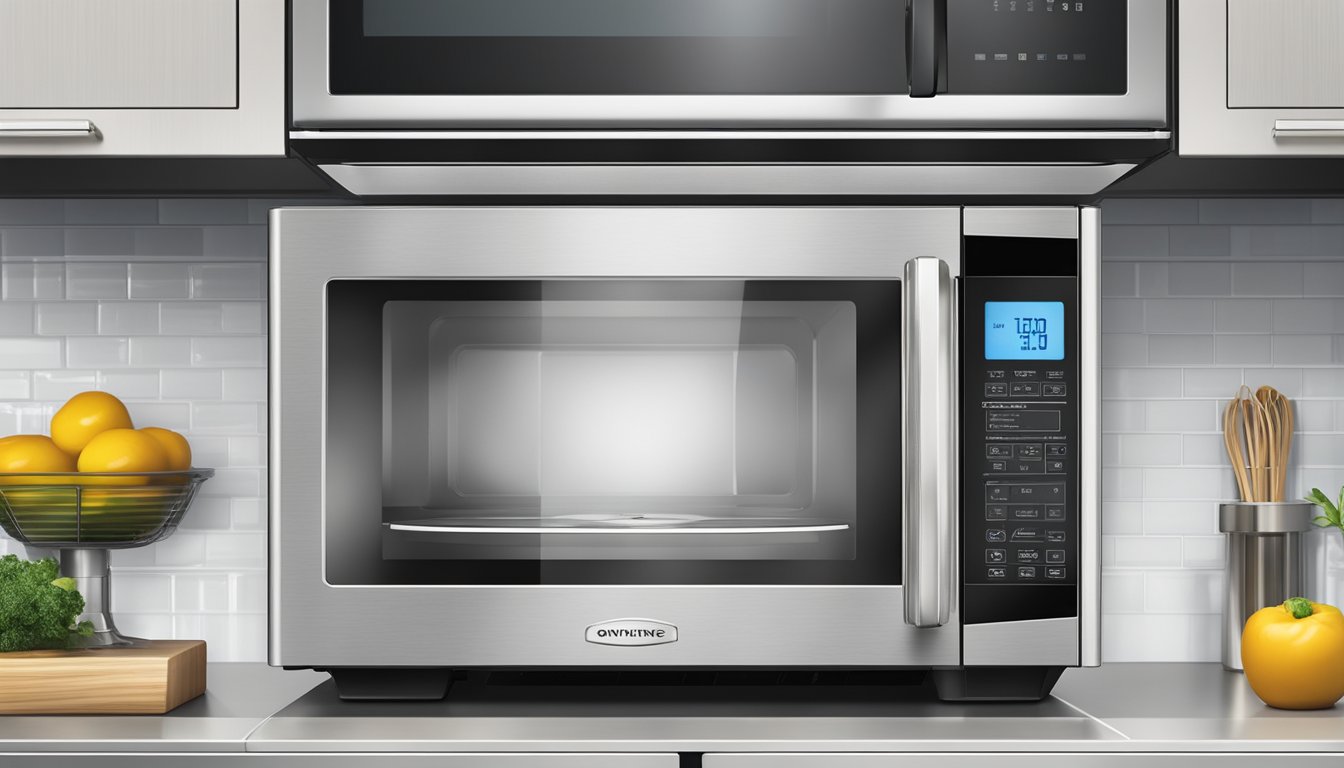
(1303, 350)
(226, 418)
(111, 211)
(1181, 416)
(1150, 212)
(231, 351)
(168, 242)
(1178, 316)
(160, 351)
(231, 482)
(182, 549)
(150, 280)
(209, 450)
(29, 353)
(1137, 243)
(1165, 518)
(32, 243)
(1236, 349)
(31, 280)
(142, 593)
(1122, 517)
(1184, 592)
(1305, 315)
(235, 547)
(1124, 350)
(1286, 380)
(16, 318)
(128, 318)
(1140, 382)
(228, 281)
(1268, 279)
(1299, 243)
(201, 593)
(248, 515)
(1242, 315)
(1203, 242)
(207, 513)
(115, 243)
(1204, 551)
(1150, 450)
(236, 243)
(1180, 349)
(1323, 382)
(247, 451)
(192, 384)
(186, 318)
(1153, 279)
(1123, 415)
(203, 211)
(95, 280)
(1325, 278)
(1121, 592)
(1119, 279)
(62, 385)
(1189, 483)
(1203, 450)
(130, 384)
(1146, 551)
(1199, 279)
(1121, 316)
(15, 385)
(174, 416)
(1161, 637)
(30, 212)
(1211, 382)
(1243, 211)
(66, 318)
(247, 317)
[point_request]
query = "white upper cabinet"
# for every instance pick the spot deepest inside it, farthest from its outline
(142, 77)
(1261, 77)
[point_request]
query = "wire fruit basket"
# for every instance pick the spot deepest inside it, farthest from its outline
(86, 514)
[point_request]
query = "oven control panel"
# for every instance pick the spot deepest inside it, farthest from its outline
(1019, 431)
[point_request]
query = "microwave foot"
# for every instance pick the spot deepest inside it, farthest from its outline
(996, 683)
(392, 683)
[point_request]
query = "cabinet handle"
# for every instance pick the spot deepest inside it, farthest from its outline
(49, 129)
(929, 481)
(1309, 129)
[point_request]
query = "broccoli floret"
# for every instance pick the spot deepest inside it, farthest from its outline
(37, 607)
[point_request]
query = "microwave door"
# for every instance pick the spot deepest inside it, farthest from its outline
(929, 401)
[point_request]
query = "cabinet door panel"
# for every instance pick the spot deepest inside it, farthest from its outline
(69, 54)
(1285, 53)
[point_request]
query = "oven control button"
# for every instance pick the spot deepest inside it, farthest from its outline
(1027, 512)
(998, 466)
(997, 573)
(1054, 511)
(996, 512)
(1054, 573)
(1054, 556)
(996, 556)
(1026, 534)
(998, 492)
(996, 390)
(996, 535)
(1026, 572)
(1054, 466)
(1029, 451)
(1028, 555)
(1044, 492)
(1054, 537)
(1056, 450)
(998, 451)
(1027, 467)
(1054, 390)
(1025, 389)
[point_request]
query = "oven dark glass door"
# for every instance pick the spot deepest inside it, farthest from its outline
(617, 47)
(614, 432)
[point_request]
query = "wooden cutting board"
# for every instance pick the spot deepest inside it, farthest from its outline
(148, 680)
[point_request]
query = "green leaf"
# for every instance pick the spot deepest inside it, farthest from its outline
(1323, 522)
(65, 582)
(1299, 607)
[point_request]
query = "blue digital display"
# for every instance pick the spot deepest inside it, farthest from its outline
(1024, 330)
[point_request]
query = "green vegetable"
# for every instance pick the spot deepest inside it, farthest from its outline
(37, 607)
(1331, 518)
(1299, 607)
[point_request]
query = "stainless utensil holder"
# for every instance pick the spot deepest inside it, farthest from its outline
(1264, 562)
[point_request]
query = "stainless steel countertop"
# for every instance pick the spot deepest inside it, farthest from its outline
(1118, 708)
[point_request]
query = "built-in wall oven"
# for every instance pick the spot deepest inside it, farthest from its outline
(688, 437)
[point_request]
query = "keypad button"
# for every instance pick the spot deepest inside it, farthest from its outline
(1027, 467)
(1027, 512)
(998, 451)
(997, 573)
(1054, 390)
(1054, 537)
(1026, 572)
(996, 390)
(996, 556)
(996, 535)
(998, 466)
(1026, 534)
(1054, 467)
(1028, 555)
(1043, 492)
(996, 512)
(998, 492)
(1028, 451)
(1025, 389)
(1056, 450)
(1054, 511)
(1054, 573)
(1054, 556)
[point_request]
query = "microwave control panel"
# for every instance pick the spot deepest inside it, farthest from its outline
(1020, 497)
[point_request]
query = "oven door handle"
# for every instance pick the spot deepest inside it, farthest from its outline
(928, 483)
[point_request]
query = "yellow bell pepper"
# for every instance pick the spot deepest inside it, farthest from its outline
(1294, 654)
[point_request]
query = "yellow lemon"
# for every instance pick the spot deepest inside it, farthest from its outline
(32, 453)
(122, 450)
(174, 445)
(84, 417)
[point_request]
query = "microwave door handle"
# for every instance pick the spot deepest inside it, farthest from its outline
(928, 480)
(925, 29)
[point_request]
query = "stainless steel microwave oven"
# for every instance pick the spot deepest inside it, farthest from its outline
(694, 437)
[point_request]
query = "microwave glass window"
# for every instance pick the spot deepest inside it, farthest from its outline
(613, 432)
(616, 47)
(1024, 330)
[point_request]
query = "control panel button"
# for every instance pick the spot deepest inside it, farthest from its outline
(1043, 492)
(1054, 375)
(998, 451)
(1027, 512)
(997, 492)
(1027, 467)
(1028, 555)
(1054, 556)
(996, 512)
(1026, 572)
(996, 535)
(1025, 389)
(1026, 534)
(1028, 451)
(1054, 390)
(996, 556)
(1054, 511)
(998, 466)
(1056, 450)
(997, 374)
(1054, 537)
(1054, 573)
(996, 390)
(1054, 467)
(997, 573)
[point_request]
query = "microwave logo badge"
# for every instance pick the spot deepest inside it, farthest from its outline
(631, 632)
